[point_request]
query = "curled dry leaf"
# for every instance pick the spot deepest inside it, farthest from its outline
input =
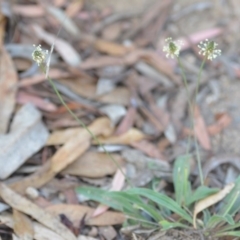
(22, 204)
(211, 200)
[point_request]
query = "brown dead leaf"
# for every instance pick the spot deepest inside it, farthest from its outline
(53, 73)
(76, 212)
(148, 148)
(211, 200)
(120, 95)
(61, 136)
(159, 127)
(222, 122)
(87, 90)
(8, 79)
(40, 232)
(22, 225)
(103, 61)
(68, 153)
(32, 11)
(200, 130)
(94, 165)
(127, 121)
(20, 203)
(132, 135)
(3, 21)
(111, 48)
(74, 8)
(23, 97)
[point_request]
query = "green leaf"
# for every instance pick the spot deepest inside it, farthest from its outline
(162, 200)
(153, 212)
(168, 225)
(206, 216)
(232, 233)
(231, 203)
(230, 227)
(180, 179)
(217, 219)
(119, 201)
(201, 193)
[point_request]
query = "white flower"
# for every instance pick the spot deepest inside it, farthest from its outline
(39, 55)
(208, 49)
(172, 48)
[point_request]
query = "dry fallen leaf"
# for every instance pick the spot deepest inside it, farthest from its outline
(22, 225)
(23, 98)
(94, 165)
(211, 200)
(200, 130)
(111, 48)
(131, 136)
(76, 212)
(40, 232)
(222, 122)
(8, 79)
(28, 10)
(27, 136)
(22, 204)
(73, 8)
(68, 153)
(127, 122)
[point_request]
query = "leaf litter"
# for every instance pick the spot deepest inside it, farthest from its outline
(108, 65)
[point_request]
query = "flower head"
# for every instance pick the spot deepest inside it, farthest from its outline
(172, 48)
(39, 55)
(208, 49)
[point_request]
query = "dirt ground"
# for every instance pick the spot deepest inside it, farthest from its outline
(108, 64)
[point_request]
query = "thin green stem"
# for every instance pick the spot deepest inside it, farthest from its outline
(84, 126)
(193, 127)
(191, 110)
(188, 98)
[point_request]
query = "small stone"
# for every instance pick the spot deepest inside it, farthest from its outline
(32, 192)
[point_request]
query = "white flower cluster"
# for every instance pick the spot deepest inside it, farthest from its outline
(172, 48)
(39, 55)
(207, 48)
